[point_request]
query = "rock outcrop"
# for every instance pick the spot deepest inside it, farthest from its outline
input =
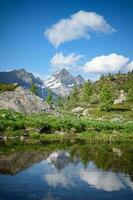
(22, 100)
(77, 110)
(121, 98)
(80, 111)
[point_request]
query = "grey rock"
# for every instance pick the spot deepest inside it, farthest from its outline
(22, 100)
(77, 110)
(121, 98)
(85, 112)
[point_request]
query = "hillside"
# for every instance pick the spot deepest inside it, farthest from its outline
(60, 83)
(22, 100)
(116, 82)
(110, 96)
(88, 112)
(24, 79)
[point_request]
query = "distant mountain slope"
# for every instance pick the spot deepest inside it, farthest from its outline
(21, 77)
(25, 79)
(79, 80)
(62, 82)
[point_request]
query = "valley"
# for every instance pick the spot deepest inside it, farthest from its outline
(99, 111)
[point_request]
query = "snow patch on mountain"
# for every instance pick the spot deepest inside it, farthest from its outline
(62, 82)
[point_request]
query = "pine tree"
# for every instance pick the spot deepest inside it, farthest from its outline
(34, 89)
(102, 77)
(86, 91)
(59, 101)
(49, 97)
(130, 95)
(106, 100)
(74, 95)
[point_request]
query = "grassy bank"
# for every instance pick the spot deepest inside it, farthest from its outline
(45, 127)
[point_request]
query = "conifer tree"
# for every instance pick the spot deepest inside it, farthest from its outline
(49, 97)
(86, 91)
(106, 100)
(34, 89)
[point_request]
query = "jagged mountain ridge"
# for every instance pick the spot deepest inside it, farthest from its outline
(25, 79)
(62, 82)
(21, 77)
(79, 80)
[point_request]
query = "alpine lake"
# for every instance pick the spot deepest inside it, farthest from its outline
(80, 171)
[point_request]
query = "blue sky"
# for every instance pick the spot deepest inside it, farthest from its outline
(23, 43)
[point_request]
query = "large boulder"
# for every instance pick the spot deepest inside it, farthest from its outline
(77, 110)
(22, 100)
(121, 98)
(85, 112)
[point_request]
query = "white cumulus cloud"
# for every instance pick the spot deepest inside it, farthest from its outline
(130, 66)
(78, 25)
(59, 60)
(107, 63)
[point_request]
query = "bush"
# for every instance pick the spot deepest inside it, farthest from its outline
(2, 127)
(65, 123)
(46, 128)
(18, 125)
(7, 87)
(94, 99)
(80, 126)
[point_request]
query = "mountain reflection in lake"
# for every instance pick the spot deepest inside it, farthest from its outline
(79, 172)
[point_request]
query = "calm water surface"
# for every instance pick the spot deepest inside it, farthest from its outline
(79, 172)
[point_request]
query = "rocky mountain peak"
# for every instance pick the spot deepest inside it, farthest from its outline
(79, 80)
(23, 74)
(62, 82)
(25, 79)
(63, 70)
(65, 77)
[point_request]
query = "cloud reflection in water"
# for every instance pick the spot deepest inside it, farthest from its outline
(67, 176)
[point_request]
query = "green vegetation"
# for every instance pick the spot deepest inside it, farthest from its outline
(49, 97)
(48, 127)
(103, 122)
(59, 101)
(106, 100)
(114, 157)
(34, 89)
(102, 93)
(7, 87)
(130, 95)
(86, 91)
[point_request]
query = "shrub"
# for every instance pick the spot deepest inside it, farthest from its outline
(7, 87)
(18, 125)
(46, 128)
